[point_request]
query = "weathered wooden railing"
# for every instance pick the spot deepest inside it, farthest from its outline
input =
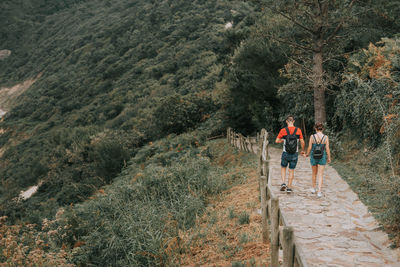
(274, 225)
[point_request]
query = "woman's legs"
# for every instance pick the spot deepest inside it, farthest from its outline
(314, 176)
(320, 174)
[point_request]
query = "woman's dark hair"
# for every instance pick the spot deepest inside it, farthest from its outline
(319, 126)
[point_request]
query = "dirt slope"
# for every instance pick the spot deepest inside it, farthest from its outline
(9, 94)
(229, 232)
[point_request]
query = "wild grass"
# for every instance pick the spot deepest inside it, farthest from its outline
(250, 263)
(238, 264)
(244, 238)
(231, 213)
(137, 220)
(244, 218)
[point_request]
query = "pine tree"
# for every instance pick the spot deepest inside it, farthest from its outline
(315, 29)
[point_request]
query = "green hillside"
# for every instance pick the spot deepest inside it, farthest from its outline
(114, 75)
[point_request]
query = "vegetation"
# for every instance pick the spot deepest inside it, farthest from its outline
(126, 93)
(244, 218)
(23, 245)
(368, 107)
(136, 220)
(114, 76)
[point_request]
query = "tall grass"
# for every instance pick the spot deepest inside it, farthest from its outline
(136, 222)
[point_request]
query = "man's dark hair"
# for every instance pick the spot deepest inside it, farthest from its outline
(290, 118)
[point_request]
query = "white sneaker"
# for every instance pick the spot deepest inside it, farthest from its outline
(319, 194)
(313, 190)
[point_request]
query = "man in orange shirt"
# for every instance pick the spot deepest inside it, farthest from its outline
(290, 137)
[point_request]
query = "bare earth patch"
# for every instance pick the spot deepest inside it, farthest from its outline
(230, 229)
(9, 94)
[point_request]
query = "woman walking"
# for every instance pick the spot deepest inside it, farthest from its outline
(320, 154)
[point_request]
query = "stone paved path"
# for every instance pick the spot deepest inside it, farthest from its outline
(335, 230)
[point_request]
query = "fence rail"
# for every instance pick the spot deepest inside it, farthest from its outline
(275, 228)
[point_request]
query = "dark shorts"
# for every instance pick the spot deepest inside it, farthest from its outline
(290, 159)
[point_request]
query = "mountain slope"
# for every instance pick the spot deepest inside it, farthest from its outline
(115, 74)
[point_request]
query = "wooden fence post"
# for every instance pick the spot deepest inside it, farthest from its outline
(259, 166)
(236, 140)
(228, 134)
(274, 232)
(288, 248)
(264, 220)
(267, 170)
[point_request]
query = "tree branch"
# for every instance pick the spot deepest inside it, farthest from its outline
(333, 34)
(291, 19)
(290, 43)
(339, 26)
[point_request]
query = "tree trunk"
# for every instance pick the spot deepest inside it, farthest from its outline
(319, 88)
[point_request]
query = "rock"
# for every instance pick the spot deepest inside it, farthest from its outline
(4, 54)
(228, 26)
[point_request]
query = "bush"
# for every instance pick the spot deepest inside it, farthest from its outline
(109, 157)
(24, 245)
(177, 114)
(135, 221)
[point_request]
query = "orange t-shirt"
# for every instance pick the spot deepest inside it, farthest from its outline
(283, 133)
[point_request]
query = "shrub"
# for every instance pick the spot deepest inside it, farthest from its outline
(176, 114)
(24, 245)
(109, 157)
(244, 218)
(136, 221)
(368, 108)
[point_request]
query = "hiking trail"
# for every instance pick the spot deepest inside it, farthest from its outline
(334, 230)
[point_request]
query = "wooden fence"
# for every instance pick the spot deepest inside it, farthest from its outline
(275, 228)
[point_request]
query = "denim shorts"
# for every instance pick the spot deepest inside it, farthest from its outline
(321, 161)
(290, 159)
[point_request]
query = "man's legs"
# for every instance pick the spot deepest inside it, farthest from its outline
(284, 164)
(291, 176)
(283, 174)
(292, 166)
